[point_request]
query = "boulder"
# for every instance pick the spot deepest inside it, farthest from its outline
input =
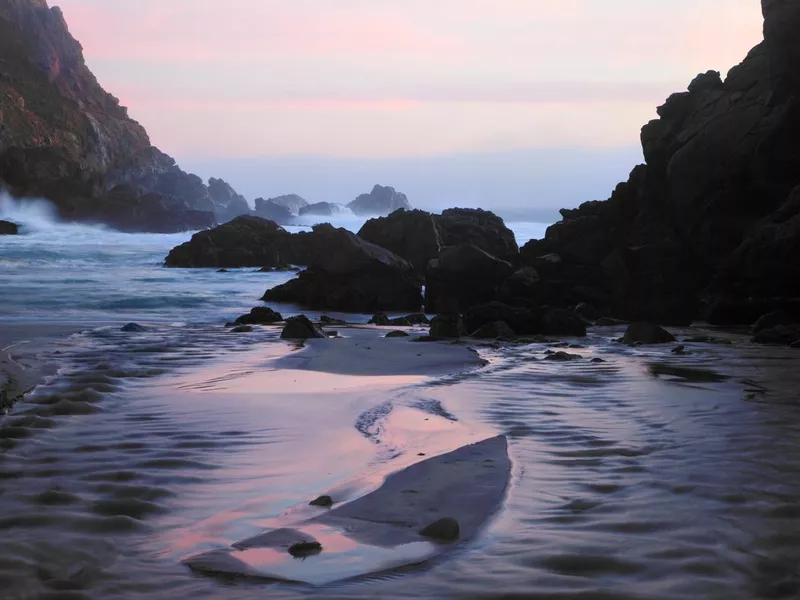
(244, 242)
(380, 201)
(774, 319)
(484, 229)
(562, 357)
(291, 201)
(784, 335)
(443, 530)
(397, 334)
(271, 210)
(411, 234)
(133, 328)
(522, 287)
(323, 501)
(8, 228)
(463, 276)
(418, 319)
(260, 315)
(242, 329)
(322, 209)
(556, 321)
(347, 273)
(447, 326)
(495, 330)
(229, 203)
(305, 549)
(647, 333)
(301, 328)
(526, 320)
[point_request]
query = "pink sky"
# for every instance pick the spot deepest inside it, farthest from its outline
(391, 78)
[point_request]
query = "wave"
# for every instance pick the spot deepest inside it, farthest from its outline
(35, 215)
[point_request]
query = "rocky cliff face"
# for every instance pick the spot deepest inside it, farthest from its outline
(64, 138)
(699, 224)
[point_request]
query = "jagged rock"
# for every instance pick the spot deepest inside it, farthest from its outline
(784, 335)
(647, 333)
(495, 330)
(484, 229)
(461, 277)
(260, 315)
(8, 228)
(380, 201)
(291, 201)
(322, 209)
(397, 334)
(230, 204)
(301, 328)
(411, 234)
(269, 209)
(323, 501)
(443, 530)
(243, 242)
(447, 326)
(133, 328)
(348, 273)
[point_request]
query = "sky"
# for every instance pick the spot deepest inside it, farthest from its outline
(321, 97)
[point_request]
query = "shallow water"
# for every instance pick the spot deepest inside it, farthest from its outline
(648, 476)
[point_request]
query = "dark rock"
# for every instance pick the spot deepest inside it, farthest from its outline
(418, 319)
(348, 273)
(598, 360)
(522, 287)
(556, 321)
(8, 228)
(268, 209)
(399, 322)
(495, 330)
(230, 204)
(411, 234)
(323, 501)
(260, 315)
(784, 335)
(380, 201)
(301, 328)
(587, 312)
(326, 320)
(133, 328)
(679, 349)
(774, 319)
(443, 530)
(291, 201)
(396, 334)
(609, 322)
(563, 357)
(795, 344)
(447, 326)
(305, 549)
(461, 277)
(484, 229)
(380, 319)
(647, 333)
(322, 209)
(242, 329)
(243, 242)
(222, 271)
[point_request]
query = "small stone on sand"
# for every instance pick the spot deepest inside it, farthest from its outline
(324, 501)
(445, 530)
(304, 549)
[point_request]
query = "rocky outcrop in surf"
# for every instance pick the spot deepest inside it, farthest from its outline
(709, 227)
(380, 201)
(66, 139)
(8, 228)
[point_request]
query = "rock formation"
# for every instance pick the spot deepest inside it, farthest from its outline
(380, 201)
(322, 209)
(8, 228)
(271, 210)
(412, 234)
(291, 201)
(347, 273)
(229, 203)
(709, 226)
(65, 139)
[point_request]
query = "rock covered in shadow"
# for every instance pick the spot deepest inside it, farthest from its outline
(646, 333)
(562, 356)
(397, 334)
(382, 200)
(495, 330)
(411, 234)
(133, 328)
(8, 228)
(305, 549)
(323, 501)
(526, 320)
(481, 228)
(778, 318)
(242, 329)
(443, 530)
(447, 327)
(301, 328)
(260, 315)
(463, 276)
(784, 335)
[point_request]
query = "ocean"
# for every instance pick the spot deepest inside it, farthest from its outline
(649, 475)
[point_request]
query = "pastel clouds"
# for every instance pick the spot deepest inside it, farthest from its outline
(402, 77)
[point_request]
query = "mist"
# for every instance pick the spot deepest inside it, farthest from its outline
(519, 185)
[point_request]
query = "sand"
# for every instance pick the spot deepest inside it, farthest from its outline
(379, 531)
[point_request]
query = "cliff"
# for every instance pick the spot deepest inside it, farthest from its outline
(64, 138)
(709, 227)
